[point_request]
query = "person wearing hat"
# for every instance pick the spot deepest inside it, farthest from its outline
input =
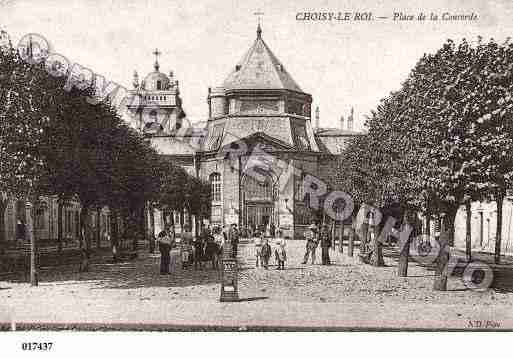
(234, 237)
(325, 239)
(165, 244)
(280, 252)
(311, 243)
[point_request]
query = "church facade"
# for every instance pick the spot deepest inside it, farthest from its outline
(256, 146)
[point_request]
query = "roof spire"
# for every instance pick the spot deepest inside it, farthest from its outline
(350, 120)
(157, 53)
(259, 28)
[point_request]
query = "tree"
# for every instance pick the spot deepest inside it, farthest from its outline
(54, 142)
(442, 140)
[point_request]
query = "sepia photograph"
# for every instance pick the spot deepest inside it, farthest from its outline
(225, 166)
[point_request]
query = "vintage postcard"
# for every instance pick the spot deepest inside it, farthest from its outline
(255, 166)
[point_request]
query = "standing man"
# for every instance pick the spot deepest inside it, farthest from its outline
(311, 243)
(188, 240)
(272, 230)
(234, 235)
(325, 239)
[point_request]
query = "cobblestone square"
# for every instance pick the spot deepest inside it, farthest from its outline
(343, 295)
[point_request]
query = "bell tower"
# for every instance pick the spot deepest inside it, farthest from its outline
(158, 110)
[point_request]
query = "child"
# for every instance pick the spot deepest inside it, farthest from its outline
(258, 248)
(218, 240)
(280, 253)
(265, 253)
(185, 251)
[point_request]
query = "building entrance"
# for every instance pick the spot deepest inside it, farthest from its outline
(258, 197)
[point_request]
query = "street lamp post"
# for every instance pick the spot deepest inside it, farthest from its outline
(229, 277)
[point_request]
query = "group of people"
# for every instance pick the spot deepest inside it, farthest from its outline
(209, 245)
(263, 250)
(194, 251)
(313, 237)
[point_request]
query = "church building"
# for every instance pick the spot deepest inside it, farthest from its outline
(256, 145)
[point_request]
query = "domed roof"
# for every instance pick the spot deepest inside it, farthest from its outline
(151, 81)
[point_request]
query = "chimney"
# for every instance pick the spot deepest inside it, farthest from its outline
(342, 122)
(350, 120)
(317, 117)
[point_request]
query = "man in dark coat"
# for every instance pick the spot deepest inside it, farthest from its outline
(234, 236)
(272, 230)
(325, 240)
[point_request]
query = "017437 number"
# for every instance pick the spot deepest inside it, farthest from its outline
(33, 346)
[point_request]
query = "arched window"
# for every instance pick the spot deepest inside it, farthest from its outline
(257, 190)
(159, 85)
(215, 187)
(40, 220)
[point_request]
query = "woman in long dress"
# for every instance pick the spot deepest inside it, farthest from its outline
(164, 240)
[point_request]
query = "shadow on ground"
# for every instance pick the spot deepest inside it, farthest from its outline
(502, 274)
(140, 272)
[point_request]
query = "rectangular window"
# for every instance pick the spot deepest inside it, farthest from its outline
(298, 190)
(215, 183)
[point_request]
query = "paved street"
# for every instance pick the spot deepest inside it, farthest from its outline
(347, 294)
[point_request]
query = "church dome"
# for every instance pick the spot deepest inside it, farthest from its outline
(156, 80)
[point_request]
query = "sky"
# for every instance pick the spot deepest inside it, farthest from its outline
(342, 64)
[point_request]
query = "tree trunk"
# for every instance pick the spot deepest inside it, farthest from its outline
(341, 243)
(189, 220)
(85, 238)
(363, 242)
(446, 238)
(199, 225)
(468, 236)
(498, 232)
(152, 229)
(428, 224)
(333, 234)
(182, 215)
(145, 222)
(59, 225)
(98, 228)
(376, 259)
(34, 280)
(114, 238)
(404, 249)
(3, 208)
(350, 242)
(172, 216)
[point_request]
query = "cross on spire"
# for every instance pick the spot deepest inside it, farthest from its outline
(259, 14)
(157, 53)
